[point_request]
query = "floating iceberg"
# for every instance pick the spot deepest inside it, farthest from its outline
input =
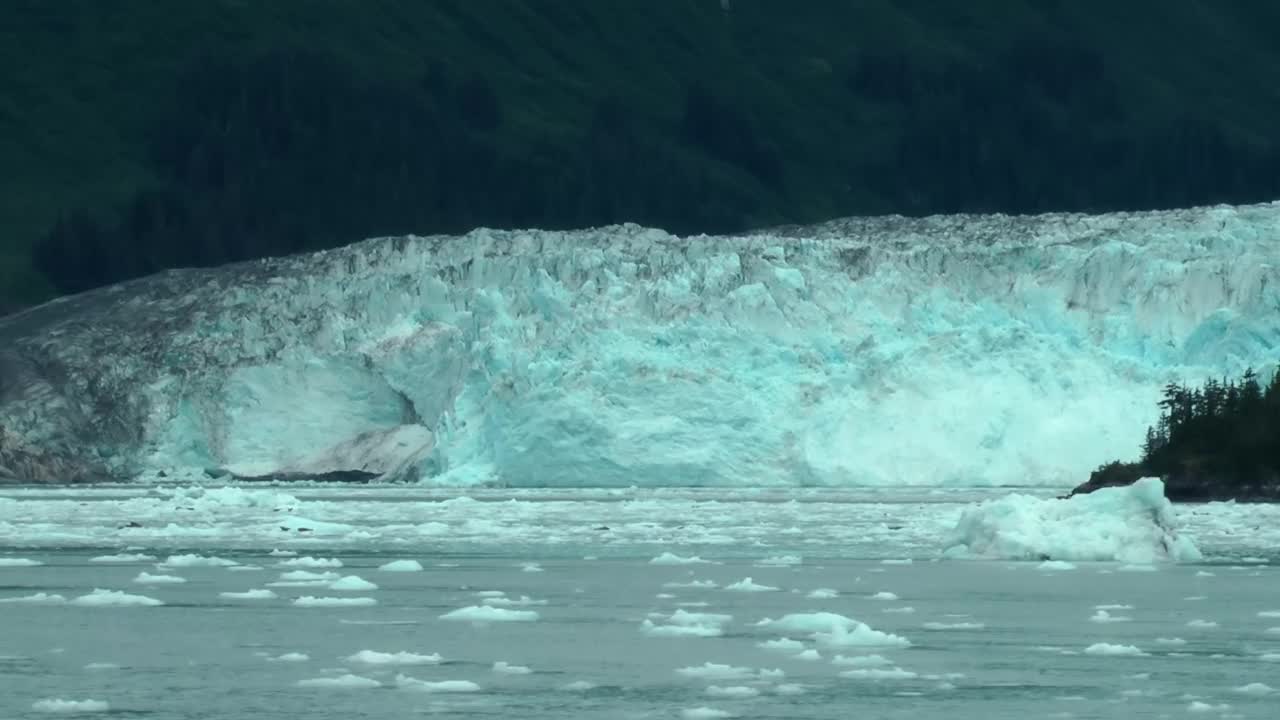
(1134, 524)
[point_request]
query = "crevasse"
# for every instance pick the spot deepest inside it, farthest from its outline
(985, 350)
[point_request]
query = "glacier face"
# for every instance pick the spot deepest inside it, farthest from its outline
(985, 350)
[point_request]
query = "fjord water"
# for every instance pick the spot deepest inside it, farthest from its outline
(987, 639)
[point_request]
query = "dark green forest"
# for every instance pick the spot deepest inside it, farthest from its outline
(139, 135)
(1217, 441)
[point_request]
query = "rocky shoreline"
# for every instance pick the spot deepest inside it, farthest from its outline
(1190, 484)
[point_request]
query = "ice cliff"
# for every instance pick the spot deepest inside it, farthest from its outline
(943, 350)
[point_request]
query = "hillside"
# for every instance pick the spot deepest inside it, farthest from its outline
(139, 135)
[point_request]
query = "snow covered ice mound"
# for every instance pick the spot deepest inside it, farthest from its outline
(875, 351)
(1134, 524)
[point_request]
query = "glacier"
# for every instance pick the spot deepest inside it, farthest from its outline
(949, 350)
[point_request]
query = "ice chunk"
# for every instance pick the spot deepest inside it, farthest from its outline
(308, 576)
(343, 682)
(1202, 624)
(36, 599)
(668, 558)
(99, 666)
(904, 610)
(503, 667)
(789, 689)
(747, 585)
(373, 657)
(781, 561)
(578, 686)
(146, 578)
(1134, 524)
(1055, 565)
(716, 671)
(877, 673)
(522, 601)
(401, 566)
(704, 713)
(70, 707)
(308, 601)
(188, 561)
(692, 584)
(1102, 616)
(12, 562)
(861, 661)
(405, 682)
(1170, 641)
(1198, 706)
(310, 562)
(1110, 650)
(809, 655)
(822, 594)
(1269, 614)
(290, 657)
(114, 598)
(353, 583)
(488, 614)
(732, 692)
(1255, 688)
(953, 626)
(882, 595)
(122, 558)
(834, 630)
(784, 644)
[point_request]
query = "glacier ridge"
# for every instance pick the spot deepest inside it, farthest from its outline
(950, 350)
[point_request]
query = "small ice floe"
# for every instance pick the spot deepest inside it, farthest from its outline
(101, 666)
(665, 596)
(822, 594)
(687, 624)
(704, 713)
(310, 562)
(308, 576)
(809, 655)
(953, 626)
(530, 567)
(1113, 606)
(404, 682)
(1197, 706)
(903, 610)
(879, 673)
(1269, 614)
(502, 667)
(897, 561)
(1204, 573)
(190, 561)
(262, 594)
(861, 661)
(401, 566)
(487, 614)
(884, 595)
(244, 568)
(716, 671)
(1055, 566)
(12, 562)
(504, 601)
(668, 558)
(789, 689)
(833, 630)
(1102, 616)
(353, 583)
(780, 561)
(146, 578)
(1173, 641)
(732, 692)
(122, 558)
(1273, 630)
(1270, 657)
(373, 657)
(307, 601)
(114, 598)
(36, 599)
(1255, 688)
(747, 585)
(578, 686)
(70, 707)
(342, 682)
(1110, 650)
(1202, 624)
(1255, 560)
(692, 585)
(1194, 598)
(782, 644)
(282, 553)
(290, 657)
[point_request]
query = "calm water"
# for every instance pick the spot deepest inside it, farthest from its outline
(987, 639)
